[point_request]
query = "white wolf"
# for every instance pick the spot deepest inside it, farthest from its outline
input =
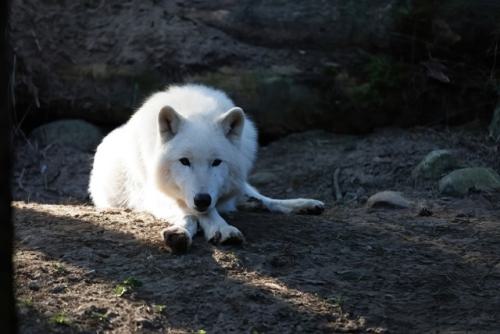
(184, 156)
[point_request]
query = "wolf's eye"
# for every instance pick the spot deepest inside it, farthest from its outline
(216, 162)
(185, 161)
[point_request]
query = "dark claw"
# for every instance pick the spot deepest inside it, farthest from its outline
(216, 239)
(234, 240)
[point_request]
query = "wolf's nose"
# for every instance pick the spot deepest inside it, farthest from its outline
(202, 201)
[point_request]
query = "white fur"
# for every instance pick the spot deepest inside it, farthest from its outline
(138, 164)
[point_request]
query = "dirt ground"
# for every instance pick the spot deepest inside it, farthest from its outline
(351, 269)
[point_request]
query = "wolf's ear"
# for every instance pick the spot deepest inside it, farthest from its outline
(232, 122)
(168, 122)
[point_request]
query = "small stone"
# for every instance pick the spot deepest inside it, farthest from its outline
(262, 178)
(58, 289)
(435, 164)
(72, 132)
(462, 181)
(73, 278)
(34, 286)
(389, 199)
(144, 323)
(376, 330)
(495, 125)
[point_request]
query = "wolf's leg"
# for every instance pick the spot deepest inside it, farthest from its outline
(296, 205)
(227, 206)
(179, 236)
(216, 229)
(182, 227)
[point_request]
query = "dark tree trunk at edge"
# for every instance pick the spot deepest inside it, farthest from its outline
(7, 305)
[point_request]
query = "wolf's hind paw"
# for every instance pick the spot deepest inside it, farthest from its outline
(310, 207)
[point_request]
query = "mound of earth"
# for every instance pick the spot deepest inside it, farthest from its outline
(434, 266)
(344, 66)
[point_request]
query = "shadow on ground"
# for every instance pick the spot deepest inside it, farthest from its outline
(294, 273)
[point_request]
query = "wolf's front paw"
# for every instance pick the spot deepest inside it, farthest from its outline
(177, 239)
(224, 235)
(308, 206)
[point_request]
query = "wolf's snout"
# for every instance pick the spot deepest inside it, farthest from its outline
(202, 201)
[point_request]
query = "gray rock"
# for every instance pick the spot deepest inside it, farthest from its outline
(435, 164)
(389, 199)
(75, 133)
(495, 125)
(461, 181)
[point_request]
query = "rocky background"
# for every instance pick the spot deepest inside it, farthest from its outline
(341, 65)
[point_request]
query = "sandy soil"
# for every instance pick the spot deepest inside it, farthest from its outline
(351, 269)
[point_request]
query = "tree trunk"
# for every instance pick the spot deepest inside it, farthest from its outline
(7, 305)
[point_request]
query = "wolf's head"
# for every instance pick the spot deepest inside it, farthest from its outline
(199, 160)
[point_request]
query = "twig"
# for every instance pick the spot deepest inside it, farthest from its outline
(20, 185)
(17, 127)
(13, 82)
(52, 179)
(28, 142)
(43, 152)
(33, 33)
(19, 180)
(338, 192)
(158, 270)
(493, 68)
